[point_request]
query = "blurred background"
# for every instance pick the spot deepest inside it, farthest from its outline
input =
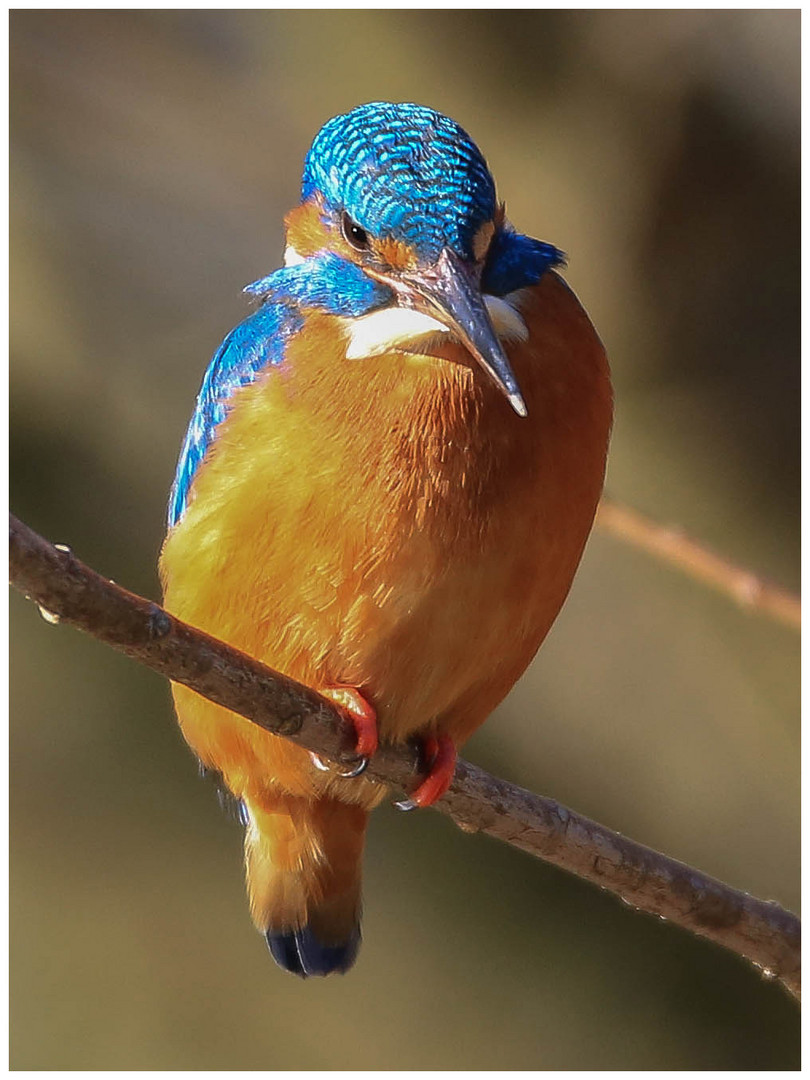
(153, 155)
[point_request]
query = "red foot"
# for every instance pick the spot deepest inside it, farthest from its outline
(441, 752)
(361, 714)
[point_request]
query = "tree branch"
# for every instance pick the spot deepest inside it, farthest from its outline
(673, 546)
(67, 590)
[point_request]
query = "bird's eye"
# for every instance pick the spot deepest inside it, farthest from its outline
(354, 234)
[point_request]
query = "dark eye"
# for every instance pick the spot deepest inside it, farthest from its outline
(353, 233)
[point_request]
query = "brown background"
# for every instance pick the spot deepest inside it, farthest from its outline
(153, 155)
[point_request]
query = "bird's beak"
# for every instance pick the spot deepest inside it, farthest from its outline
(450, 293)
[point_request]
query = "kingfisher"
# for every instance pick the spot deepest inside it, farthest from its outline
(384, 492)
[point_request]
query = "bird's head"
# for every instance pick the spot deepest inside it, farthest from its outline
(403, 193)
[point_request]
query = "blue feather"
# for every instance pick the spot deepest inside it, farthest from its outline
(326, 283)
(405, 172)
(300, 952)
(254, 344)
(515, 261)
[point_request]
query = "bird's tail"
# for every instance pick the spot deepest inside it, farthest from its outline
(304, 868)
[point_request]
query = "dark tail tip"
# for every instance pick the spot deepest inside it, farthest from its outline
(300, 952)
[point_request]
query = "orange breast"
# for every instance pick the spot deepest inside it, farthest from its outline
(392, 524)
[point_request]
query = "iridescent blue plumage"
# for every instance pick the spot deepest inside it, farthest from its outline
(327, 283)
(515, 261)
(406, 172)
(254, 344)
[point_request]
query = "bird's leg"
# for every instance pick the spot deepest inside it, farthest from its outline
(440, 752)
(363, 719)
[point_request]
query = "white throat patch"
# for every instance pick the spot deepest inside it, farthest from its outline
(393, 328)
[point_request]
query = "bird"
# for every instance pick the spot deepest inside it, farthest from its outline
(384, 492)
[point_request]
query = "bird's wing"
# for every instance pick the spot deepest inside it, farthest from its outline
(254, 345)
(325, 283)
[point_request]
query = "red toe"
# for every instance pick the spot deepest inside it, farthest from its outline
(442, 750)
(360, 713)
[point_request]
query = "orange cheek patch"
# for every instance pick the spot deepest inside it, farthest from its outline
(306, 231)
(308, 234)
(397, 254)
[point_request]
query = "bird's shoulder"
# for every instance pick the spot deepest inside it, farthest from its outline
(326, 283)
(257, 344)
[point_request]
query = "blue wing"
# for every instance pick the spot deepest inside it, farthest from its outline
(327, 283)
(253, 345)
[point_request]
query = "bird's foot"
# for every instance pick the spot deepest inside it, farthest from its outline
(363, 719)
(440, 753)
(361, 714)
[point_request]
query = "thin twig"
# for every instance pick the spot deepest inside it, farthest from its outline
(681, 551)
(760, 930)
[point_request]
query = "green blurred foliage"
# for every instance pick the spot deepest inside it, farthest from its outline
(153, 157)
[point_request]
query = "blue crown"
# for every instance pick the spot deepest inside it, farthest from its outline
(405, 172)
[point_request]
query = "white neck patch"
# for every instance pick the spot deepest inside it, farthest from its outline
(292, 258)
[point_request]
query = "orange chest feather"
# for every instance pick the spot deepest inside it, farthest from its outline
(390, 522)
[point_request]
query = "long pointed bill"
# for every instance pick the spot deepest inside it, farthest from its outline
(449, 292)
